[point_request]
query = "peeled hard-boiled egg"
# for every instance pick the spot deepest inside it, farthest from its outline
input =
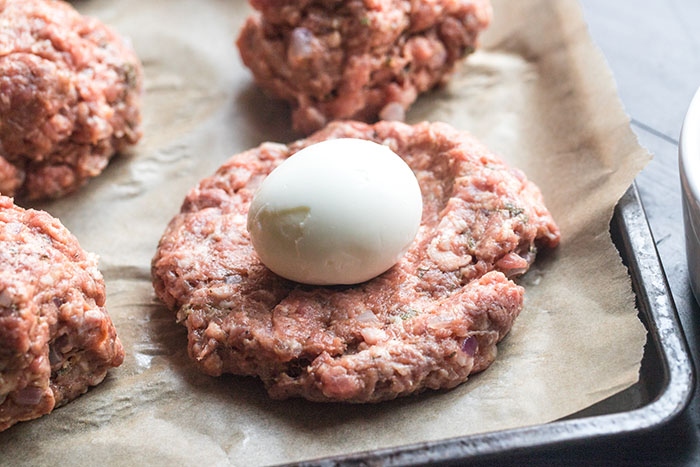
(337, 212)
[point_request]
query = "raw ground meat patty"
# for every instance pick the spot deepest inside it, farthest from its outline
(357, 59)
(69, 98)
(56, 338)
(428, 322)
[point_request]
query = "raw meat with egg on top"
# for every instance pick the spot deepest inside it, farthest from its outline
(427, 323)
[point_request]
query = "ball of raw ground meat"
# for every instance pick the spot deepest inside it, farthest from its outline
(69, 98)
(357, 59)
(56, 338)
(429, 322)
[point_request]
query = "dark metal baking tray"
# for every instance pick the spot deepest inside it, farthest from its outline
(665, 386)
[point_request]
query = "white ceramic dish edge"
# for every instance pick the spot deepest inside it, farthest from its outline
(689, 168)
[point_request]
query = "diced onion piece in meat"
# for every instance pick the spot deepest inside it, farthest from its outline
(29, 396)
(300, 45)
(512, 264)
(393, 111)
(470, 345)
(366, 317)
(373, 336)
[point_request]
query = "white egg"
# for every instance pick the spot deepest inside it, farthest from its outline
(338, 212)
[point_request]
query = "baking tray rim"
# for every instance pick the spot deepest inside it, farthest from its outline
(663, 326)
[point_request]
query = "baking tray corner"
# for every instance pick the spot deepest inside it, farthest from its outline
(667, 376)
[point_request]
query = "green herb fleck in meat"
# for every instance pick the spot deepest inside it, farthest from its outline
(183, 313)
(65, 369)
(130, 75)
(512, 209)
(467, 50)
(410, 314)
(365, 21)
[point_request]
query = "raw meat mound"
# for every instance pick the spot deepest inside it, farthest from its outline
(56, 338)
(358, 59)
(428, 322)
(69, 98)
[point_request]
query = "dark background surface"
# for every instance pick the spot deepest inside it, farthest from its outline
(653, 49)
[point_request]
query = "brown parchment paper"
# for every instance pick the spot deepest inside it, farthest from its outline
(539, 93)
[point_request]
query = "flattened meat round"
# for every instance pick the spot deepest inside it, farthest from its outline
(428, 322)
(56, 337)
(357, 59)
(69, 98)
